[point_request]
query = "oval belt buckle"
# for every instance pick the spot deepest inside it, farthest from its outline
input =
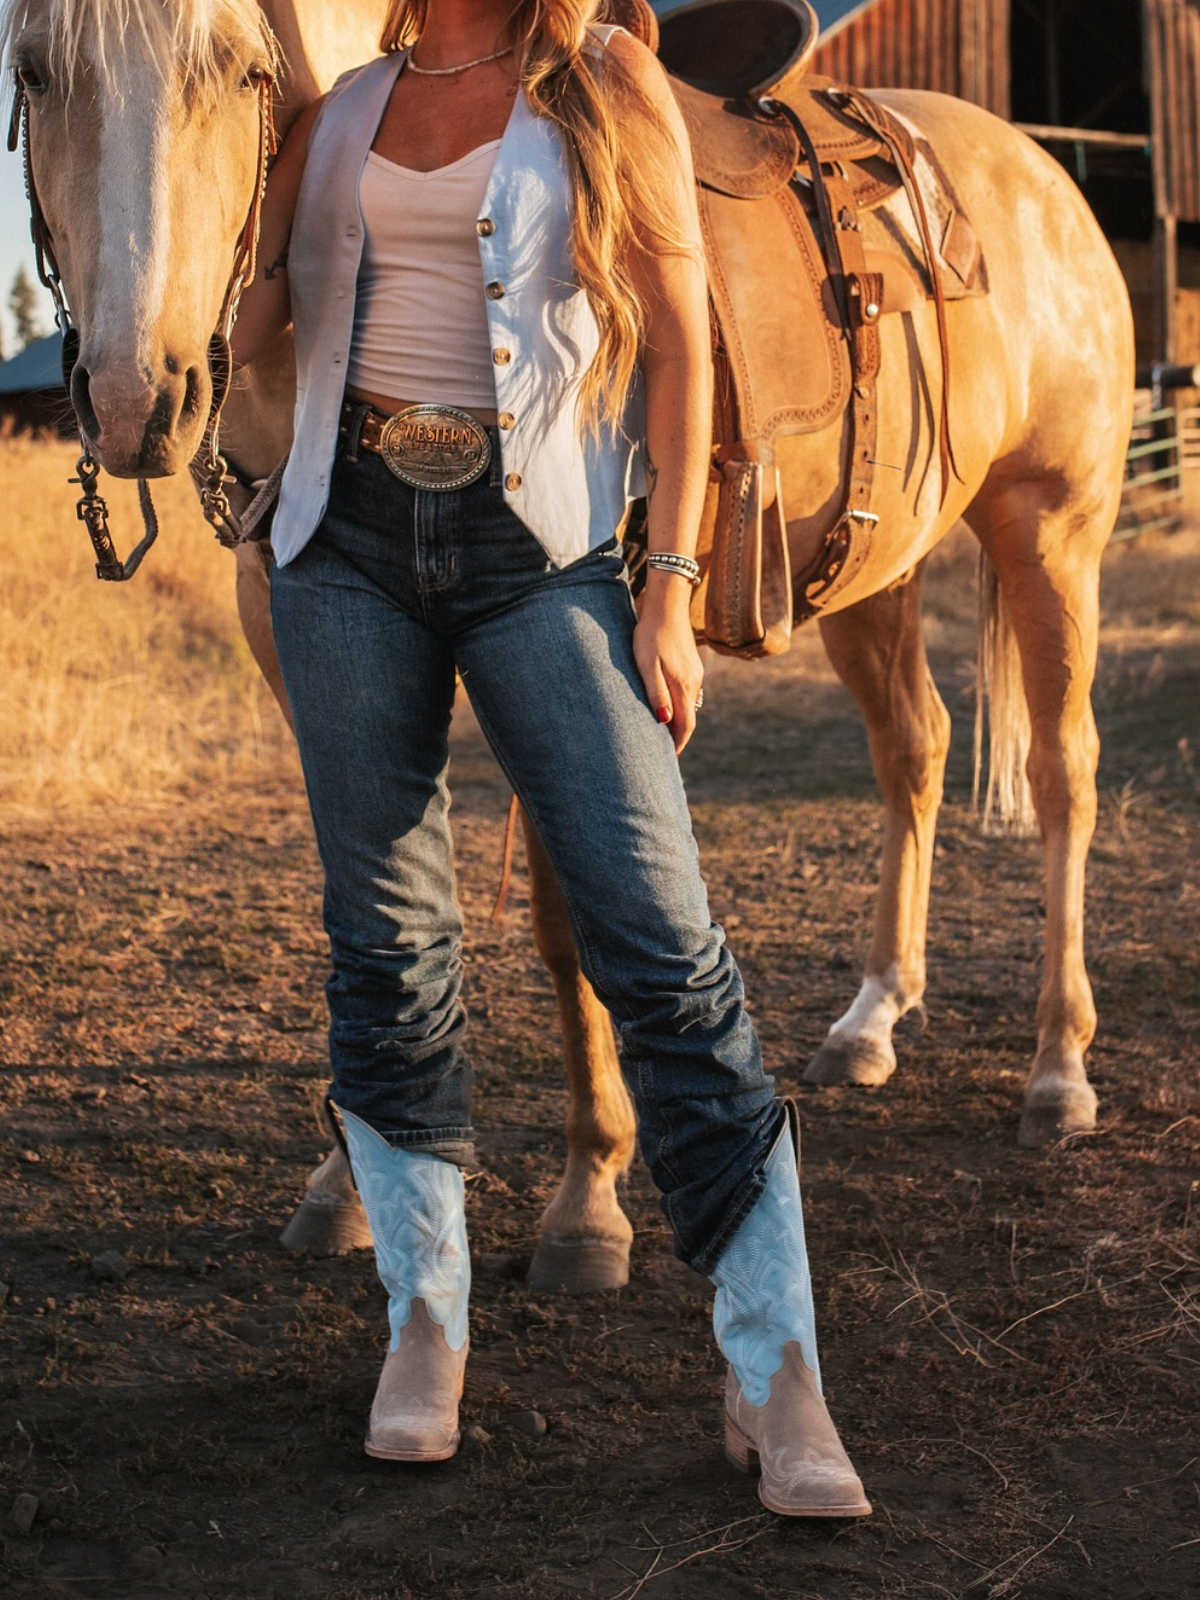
(435, 447)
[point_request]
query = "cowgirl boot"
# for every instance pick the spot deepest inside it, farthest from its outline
(775, 1415)
(414, 1203)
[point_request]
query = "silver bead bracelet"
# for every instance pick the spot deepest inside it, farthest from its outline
(669, 561)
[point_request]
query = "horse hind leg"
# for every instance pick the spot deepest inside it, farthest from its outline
(1046, 553)
(878, 651)
(584, 1239)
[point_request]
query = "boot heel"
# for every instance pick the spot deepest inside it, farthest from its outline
(739, 1452)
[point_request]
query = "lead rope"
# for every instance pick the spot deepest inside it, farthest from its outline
(91, 508)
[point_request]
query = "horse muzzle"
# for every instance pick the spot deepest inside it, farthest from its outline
(140, 427)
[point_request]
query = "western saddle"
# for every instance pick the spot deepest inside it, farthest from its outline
(794, 173)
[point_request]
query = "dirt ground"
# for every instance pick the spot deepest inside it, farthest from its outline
(1011, 1339)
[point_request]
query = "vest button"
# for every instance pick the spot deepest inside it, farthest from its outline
(506, 419)
(495, 291)
(485, 227)
(513, 481)
(501, 357)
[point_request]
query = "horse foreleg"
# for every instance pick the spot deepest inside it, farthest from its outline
(878, 651)
(585, 1236)
(1048, 564)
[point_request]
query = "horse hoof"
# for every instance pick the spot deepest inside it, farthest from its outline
(1056, 1114)
(327, 1225)
(579, 1266)
(844, 1060)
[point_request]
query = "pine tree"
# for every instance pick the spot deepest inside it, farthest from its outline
(22, 302)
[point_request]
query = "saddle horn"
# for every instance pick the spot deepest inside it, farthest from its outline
(751, 49)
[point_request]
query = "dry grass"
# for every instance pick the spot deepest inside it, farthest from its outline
(143, 691)
(118, 691)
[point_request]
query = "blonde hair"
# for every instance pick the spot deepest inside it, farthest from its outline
(612, 161)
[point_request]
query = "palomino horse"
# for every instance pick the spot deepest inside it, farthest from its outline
(1039, 411)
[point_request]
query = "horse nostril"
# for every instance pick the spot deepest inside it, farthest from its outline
(192, 391)
(81, 399)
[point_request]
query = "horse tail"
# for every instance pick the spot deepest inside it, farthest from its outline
(1008, 801)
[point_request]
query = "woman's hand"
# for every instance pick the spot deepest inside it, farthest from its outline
(664, 648)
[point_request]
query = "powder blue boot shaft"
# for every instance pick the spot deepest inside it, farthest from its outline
(776, 1419)
(414, 1203)
(764, 1288)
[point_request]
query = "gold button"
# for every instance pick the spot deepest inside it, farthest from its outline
(501, 357)
(495, 291)
(485, 226)
(513, 480)
(506, 419)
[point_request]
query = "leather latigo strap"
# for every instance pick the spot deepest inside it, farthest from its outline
(859, 297)
(900, 146)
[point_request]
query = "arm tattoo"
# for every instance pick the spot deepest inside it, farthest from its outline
(651, 477)
(279, 264)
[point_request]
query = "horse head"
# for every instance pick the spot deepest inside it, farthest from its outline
(144, 136)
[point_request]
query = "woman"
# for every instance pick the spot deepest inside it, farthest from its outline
(489, 246)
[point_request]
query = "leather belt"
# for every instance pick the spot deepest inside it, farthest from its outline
(425, 446)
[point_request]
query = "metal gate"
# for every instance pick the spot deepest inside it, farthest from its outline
(1165, 445)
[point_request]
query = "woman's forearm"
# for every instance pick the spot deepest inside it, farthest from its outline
(266, 308)
(677, 373)
(678, 442)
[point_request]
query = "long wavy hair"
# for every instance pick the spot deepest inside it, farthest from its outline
(617, 143)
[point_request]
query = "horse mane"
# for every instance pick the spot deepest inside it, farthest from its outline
(191, 38)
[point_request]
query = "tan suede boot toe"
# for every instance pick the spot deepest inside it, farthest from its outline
(414, 1416)
(792, 1442)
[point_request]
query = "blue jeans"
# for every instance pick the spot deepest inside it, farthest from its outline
(398, 589)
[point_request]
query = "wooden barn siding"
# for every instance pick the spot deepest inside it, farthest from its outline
(1173, 65)
(956, 46)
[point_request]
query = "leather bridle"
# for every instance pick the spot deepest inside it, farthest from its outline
(209, 467)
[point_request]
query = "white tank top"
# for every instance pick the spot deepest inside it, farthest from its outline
(420, 318)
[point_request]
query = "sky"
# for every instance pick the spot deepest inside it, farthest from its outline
(15, 244)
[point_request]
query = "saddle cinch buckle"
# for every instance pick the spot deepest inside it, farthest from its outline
(435, 447)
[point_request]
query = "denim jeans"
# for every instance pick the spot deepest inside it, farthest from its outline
(398, 589)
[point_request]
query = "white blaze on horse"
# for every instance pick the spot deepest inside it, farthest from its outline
(144, 131)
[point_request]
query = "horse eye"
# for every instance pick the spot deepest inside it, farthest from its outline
(255, 76)
(30, 78)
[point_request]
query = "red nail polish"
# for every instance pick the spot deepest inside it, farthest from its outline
(664, 713)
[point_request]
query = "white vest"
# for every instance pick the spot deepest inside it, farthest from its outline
(568, 490)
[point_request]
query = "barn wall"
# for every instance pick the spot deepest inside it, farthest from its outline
(955, 46)
(1173, 66)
